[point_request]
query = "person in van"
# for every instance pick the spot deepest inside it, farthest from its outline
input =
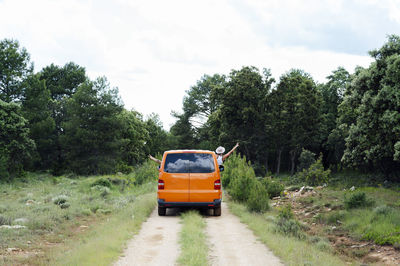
(219, 151)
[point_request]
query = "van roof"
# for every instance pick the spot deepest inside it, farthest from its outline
(189, 151)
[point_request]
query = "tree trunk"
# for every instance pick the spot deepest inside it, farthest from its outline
(266, 163)
(292, 158)
(278, 163)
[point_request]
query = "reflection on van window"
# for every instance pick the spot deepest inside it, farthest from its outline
(189, 163)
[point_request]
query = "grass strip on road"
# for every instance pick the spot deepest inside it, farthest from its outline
(291, 250)
(104, 244)
(194, 249)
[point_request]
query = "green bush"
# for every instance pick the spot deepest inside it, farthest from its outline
(382, 210)
(289, 227)
(358, 200)
(306, 159)
(274, 188)
(259, 199)
(5, 220)
(315, 174)
(286, 212)
(60, 199)
(145, 173)
(124, 168)
(101, 182)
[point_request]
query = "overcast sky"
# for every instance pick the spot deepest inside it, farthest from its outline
(154, 51)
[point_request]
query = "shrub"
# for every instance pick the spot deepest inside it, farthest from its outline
(358, 200)
(259, 199)
(61, 199)
(101, 182)
(289, 227)
(64, 205)
(286, 212)
(124, 168)
(274, 188)
(315, 174)
(5, 220)
(242, 179)
(382, 210)
(306, 159)
(145, 173)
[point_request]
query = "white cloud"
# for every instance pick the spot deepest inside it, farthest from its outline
(155, 50)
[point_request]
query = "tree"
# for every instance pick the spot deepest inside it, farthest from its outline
(374, 98)
(92, 142)
(295, 113)
(332, 141)
(15, 66)
(15, 145)
(62, 82)
(242, 111)
(36, 108)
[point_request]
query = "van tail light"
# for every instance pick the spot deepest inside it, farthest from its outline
(160, 184)
(217, 184)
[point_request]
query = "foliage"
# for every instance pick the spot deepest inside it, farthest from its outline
(287, 224)
(315, 174)
(92, 140)
(259, 198)
(36, 108)
(104, 182)
(240, 181)
(370, 112)
(286, 212)
(146, 172)
(273, 188)
(306, 159)
(294, 113)
(15, 145)
(15, 66)
(358, 200)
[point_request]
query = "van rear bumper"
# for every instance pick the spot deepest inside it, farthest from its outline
(215, 203)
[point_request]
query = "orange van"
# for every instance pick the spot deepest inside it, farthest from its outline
(189, 178)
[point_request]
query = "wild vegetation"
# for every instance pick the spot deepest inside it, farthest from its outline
(57, 124)
(193, 232)
(42, 213)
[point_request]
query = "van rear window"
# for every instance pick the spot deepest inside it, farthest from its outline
(189, 163)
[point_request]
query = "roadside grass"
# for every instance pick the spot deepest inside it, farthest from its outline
(104, 244)
(54, 210)
(194, 249)
(291, 250)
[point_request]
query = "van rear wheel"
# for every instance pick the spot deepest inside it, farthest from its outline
(162, 211)
(217, 211)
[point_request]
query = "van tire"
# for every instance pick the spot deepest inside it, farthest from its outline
(162, 211)
(217, 211)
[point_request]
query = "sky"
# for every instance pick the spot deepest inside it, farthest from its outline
(154, 51)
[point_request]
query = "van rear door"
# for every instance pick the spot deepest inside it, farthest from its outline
(176, 178)
(203, 175)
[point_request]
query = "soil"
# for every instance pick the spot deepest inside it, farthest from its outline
(343, 244)
(156, 243)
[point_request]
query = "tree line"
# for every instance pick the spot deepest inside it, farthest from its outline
(352, 120)
(60, 120)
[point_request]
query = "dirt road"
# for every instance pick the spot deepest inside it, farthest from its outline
(231, 242)
(156, 243)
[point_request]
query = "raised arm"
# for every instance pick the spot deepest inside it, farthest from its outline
(230, 152)
(154, 159)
